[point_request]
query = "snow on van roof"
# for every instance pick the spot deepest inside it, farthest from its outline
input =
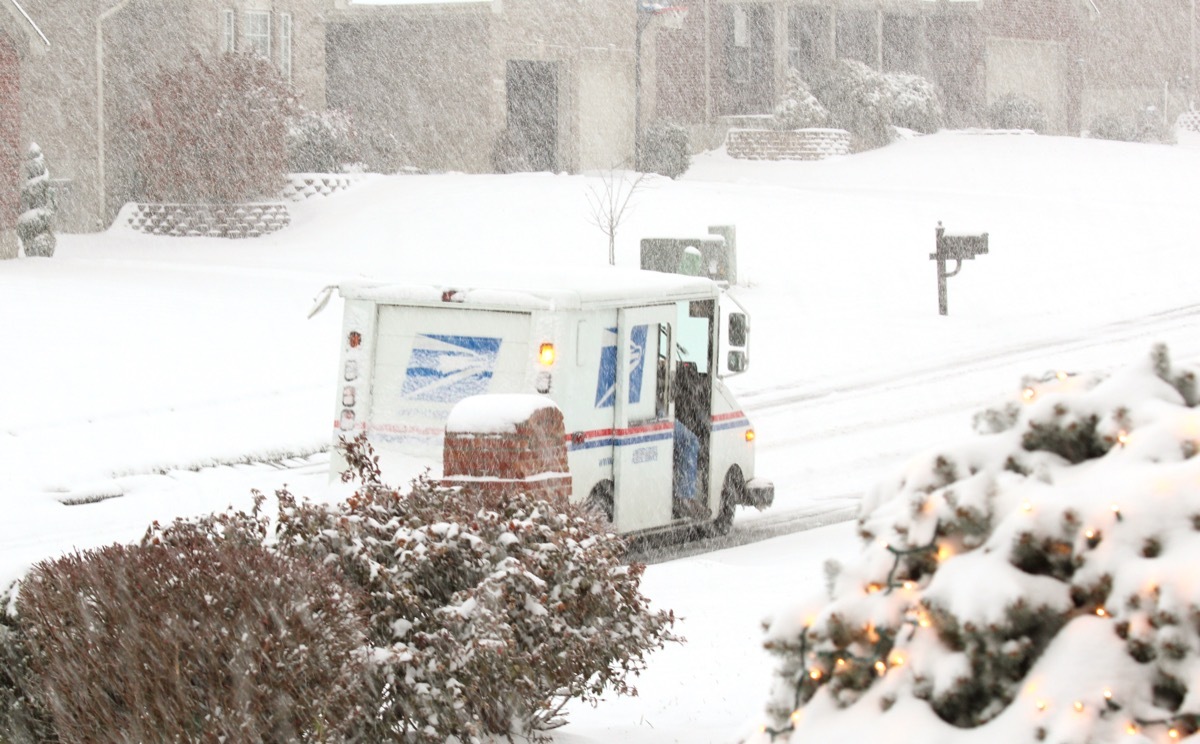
(537, 290)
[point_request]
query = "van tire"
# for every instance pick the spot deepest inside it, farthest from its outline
(731, 493)
(600, 500)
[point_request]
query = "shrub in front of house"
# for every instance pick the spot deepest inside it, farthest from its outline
(321, 141)
(799, 108)
(199, 640)
(859, 100)
(915, 103)
(666, 149)
(216, 131)
(1015, 111)
(1142, 125)
(487, 611)
(37, 206)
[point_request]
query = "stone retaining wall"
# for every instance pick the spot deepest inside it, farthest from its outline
(301, 186)
(787, 144)
(206, 220)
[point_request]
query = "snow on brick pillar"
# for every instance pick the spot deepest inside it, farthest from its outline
(10, 146)
(507, 444)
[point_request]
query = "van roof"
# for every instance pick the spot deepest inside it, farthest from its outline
(538, 289)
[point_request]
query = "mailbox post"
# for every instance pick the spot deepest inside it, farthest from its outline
(957, 248)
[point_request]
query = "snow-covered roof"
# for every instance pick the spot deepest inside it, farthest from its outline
(538, 290)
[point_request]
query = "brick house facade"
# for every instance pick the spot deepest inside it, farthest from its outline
(1076, 58)
(83, 76)
(450, 78)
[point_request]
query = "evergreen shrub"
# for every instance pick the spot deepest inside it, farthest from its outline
(1015, 111)
(859, 100)
(915, 104)
(799, 108)
(201, 640)
(321, 142)
(216, 131)
(37, 206)
(1032, 582)
(1142, 125)
(666, 150)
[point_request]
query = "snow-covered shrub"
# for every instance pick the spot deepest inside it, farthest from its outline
(799, 108)
(216, 131)
(321, 141)
(1143, 125)
(1035, 582)
(915, 103)
(1015, 111)
(201, 640)
(859, 100)
(666, 150)
(37, 206)
(487, 613)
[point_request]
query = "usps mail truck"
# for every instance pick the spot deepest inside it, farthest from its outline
(634, 359)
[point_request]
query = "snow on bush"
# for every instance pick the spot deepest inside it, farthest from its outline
(666, 150)
(1145, 124)
(321, 142)
(1015, 111)
(799, 108)
(37, 206)
(859, 100)
(1037, 581)
(486, 612)
(216, 131)
(915, 103)
(200, 640)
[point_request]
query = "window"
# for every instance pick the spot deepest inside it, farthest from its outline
(808, 38)
(258, 32)
(856, 36)
(902, 41)
(228, 31)
(285, 45)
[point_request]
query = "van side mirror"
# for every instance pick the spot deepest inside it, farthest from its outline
(738, 330)
(737, 361)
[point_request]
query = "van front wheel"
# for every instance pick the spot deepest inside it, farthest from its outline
(730, 494)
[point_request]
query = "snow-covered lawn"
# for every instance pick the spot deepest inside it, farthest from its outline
(128, 360)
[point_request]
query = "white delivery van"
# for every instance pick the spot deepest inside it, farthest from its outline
(634, 359)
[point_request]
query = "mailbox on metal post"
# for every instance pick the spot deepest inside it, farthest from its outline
(957, 248)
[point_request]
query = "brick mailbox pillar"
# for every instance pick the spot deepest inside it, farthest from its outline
(503, 444)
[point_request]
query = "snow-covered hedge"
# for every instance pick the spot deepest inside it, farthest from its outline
(1015, 111)
(1036, 582)
(201, 640)
(799, 108)
(486, 612)
(1144, 124)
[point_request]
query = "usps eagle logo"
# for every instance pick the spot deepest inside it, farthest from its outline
(446, 369)
(606, 381)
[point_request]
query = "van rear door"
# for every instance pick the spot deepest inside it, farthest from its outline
(429, 358)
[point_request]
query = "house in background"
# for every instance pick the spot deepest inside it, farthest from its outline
(1076, 58)
(549, 83)
(80, 77)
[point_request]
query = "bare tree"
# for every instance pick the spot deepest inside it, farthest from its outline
(611, 200)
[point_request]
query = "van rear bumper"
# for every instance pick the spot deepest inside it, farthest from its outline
(759, 493)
